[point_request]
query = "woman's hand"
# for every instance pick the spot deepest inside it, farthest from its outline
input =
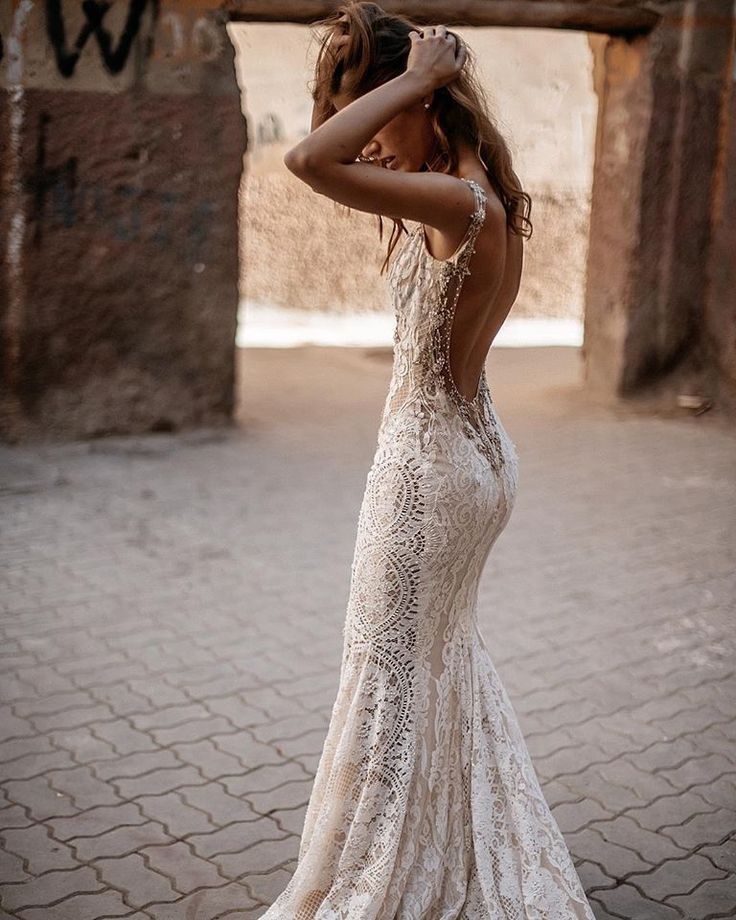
(437, 55)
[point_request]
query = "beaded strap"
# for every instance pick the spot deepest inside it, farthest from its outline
(457, 268)
(465, 250)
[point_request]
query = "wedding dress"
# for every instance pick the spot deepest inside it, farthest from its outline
(425, 804)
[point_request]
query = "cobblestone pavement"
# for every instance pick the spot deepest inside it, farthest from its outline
(171, 626)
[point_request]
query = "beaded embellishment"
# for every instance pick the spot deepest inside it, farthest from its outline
(476, 413)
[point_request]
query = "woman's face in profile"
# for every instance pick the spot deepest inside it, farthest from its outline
(403, 143)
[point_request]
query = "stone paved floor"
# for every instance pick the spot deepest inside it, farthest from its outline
(171, 634)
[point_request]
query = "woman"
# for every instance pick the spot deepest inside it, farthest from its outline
(425, 805)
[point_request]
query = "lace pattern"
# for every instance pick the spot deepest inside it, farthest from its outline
(425, 804)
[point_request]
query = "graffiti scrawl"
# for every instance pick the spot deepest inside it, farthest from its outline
(114, 57)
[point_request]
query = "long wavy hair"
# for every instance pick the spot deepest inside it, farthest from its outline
(361, 46)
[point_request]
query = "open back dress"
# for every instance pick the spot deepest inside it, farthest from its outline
(425, 804)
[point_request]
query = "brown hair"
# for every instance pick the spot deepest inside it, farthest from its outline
(362, 47)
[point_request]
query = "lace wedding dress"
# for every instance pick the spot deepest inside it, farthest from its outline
(426, 805)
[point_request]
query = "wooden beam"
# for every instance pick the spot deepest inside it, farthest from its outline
(612, 19)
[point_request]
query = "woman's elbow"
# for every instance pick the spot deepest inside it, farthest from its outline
(300, 162)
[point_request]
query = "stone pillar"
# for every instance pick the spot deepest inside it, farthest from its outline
(659, 152)
(720, 315)
(123, 151)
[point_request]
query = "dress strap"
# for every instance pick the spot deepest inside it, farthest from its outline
(464, 251)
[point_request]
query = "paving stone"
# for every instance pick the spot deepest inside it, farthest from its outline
(572, 816)
(178, 862)
(50, 887)
(675, 877)
(723, 856)
(645, 786)
(557, 793)
(209, 760)
(237, 711)
(290, 820)
(714, 898)
(96, 821)
(82, 787)
(592, 876)
(12, 817)
(119, 841)
(221, 807)
(711, 828)
(615, 860)
(140, 884)
(231, 900)
(158, 781)
(663, 755)
(294, 726)
(262, 857)
(158, 692)
(123, 737)
(236, 837)
(699, 770)
(15, 726)
(567, 761)
(694, 720)
(41, 801)
(36, 765)
(267, 886)
(653, 847)
(669, 810)
(121, 699)
(45, 680)
(599, 911)
(626, 901)
(71, 718)
(19, 748)
(310, 743)
(269, 700)
(249, 752)
(179, 818)
(11, 869)
(170, 716)
(189, 732)
(48, 705)
(135, 765)
(97, 906)
(83, 745)
(38, 849)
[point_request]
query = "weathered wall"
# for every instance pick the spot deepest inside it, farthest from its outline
(658, 158)
(119, 226)
(720, 316)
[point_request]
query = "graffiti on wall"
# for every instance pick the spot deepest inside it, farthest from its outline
(114, 55)
(121, 211)
(170, 35)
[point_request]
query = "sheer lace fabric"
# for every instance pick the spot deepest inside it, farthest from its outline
(425, 804)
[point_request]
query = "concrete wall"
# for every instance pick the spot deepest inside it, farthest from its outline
(719, 333)
(659, 318)
(121, 164)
